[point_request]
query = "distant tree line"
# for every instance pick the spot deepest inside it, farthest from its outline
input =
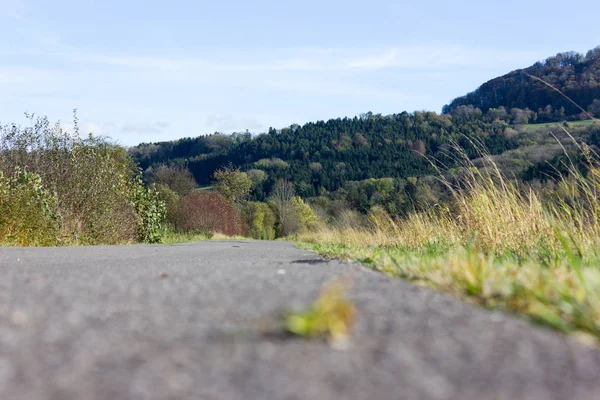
(323, 156)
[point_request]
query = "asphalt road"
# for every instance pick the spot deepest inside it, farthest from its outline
(192, 321)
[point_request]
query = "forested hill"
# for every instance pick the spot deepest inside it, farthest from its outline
(328, 155)
(325, 155)
(575, 74)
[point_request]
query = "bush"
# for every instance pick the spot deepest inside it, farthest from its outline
(151, 211)
(27, 211)
(99, 195)
(232, 184)
(98, 190)
(306, 217)
(208, 212)
(260, 220)
(171, 200)
(178, 179)
(257, 176)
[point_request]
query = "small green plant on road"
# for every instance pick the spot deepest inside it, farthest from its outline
(332, 315)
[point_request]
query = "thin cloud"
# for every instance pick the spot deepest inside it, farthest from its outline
(433, 57)
(144, 127)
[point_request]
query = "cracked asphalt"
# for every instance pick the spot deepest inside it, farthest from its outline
(194, 321)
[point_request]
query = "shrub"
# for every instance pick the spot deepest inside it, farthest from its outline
(260, 220)
(306, 217)
(171, 200)
(151, 211)
(99, 196)
(232, 184)
(98, 191)
(208, 212)
(257, 176)
(27, 211)
(178, 179)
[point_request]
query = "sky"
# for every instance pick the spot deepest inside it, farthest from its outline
(146, 71)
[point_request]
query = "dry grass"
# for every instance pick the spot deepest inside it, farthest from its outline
(498, 244)
(489, 213)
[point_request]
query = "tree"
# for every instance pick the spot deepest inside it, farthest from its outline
(171, 200)
(281, 196)
(594, 108)
(232, 184)
(520, 117)
(419, 148)
(260, 220)
(497, 113)
(208, 212)
(178, 179)
(304, 214)
(257, 176)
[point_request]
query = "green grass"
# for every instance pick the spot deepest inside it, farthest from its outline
(201, 188)
(563, 293)
(536, 127)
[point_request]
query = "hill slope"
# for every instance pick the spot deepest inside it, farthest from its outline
(576, 75)
(328, 155)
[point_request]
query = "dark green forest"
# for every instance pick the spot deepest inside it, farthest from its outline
(325, 155)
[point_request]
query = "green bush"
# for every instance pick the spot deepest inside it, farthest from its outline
(171, 200)
(98, 197)
(27, 211)
(151, 211)
(260, 220)
(98, 192)
(304, 214)
(232, 184)
(178, 179)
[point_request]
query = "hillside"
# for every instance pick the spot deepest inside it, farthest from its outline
(329, 156)
(576, 75)
(326, 155)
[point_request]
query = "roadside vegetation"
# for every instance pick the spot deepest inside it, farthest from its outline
(58, 188)
(497, 242)
(499, 204)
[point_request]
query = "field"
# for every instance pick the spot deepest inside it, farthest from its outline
(536, 127)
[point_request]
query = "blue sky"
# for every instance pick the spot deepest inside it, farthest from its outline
(142, 71)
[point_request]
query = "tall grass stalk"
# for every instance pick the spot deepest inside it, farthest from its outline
(498, 243)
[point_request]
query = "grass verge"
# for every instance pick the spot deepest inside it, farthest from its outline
(498, 243)
(564, 295)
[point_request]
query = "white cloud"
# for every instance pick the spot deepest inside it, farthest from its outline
(366, 59)
(244, 90)
(144, 127)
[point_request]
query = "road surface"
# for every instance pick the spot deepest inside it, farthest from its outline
(191, 321)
